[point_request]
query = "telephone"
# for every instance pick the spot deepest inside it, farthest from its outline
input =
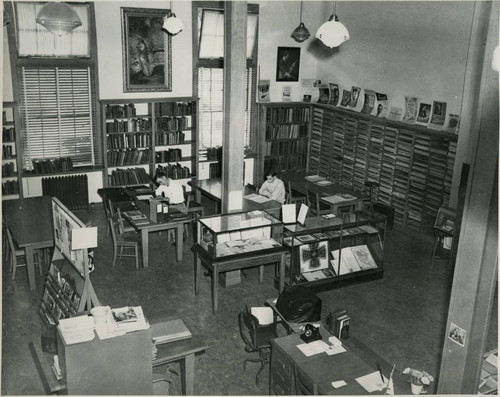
(311, 333)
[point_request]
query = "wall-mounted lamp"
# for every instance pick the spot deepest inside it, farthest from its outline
(300, 33)
(171, 23)
(58, 18)
(332, 33)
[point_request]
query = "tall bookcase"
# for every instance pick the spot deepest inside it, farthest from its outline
(143, 135)
(285, 132)
(11, 155)
(413, 165)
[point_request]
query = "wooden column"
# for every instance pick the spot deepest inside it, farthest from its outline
(235, 20)
(475, 276)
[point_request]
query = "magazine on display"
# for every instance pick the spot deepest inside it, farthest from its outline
(453, 123)
(411, 109)
(310, 90)
(369, 103)
(334, 94)
(324, 93)
(395, 113)
(286, 94)
(263, 89)
(424, 114)
(438, 115)
(381, 107)
(355, 92)
(346, 98)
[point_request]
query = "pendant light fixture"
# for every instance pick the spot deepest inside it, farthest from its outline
(171, 23)
(332, 33)
(58, 18)
(300, 33)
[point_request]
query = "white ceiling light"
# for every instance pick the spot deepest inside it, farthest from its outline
(171, 23)
(58, 18)
(332, 33)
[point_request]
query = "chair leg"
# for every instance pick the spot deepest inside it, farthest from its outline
(136, 252)
(115, 252)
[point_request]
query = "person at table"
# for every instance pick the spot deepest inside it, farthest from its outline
(171, 190)
(273, 187)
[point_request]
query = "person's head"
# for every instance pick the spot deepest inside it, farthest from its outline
(136, 65)
(286, 55)
(270, 176)
(141, 45)
(162, 179)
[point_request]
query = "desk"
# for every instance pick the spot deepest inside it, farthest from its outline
(235, 262)
(302, 185)
(126, 200)
(30, 222)
(212, 188)
(323, 369)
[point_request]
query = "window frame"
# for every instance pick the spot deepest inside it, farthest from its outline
(219, 63)
(17, 62)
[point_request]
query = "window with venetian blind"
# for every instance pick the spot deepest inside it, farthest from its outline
(57, 95)
(210, 75)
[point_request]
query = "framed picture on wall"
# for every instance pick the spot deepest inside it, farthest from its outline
(287, 68)
(147, 50)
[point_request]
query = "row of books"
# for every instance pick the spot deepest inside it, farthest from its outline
(124, 157)
(287, 114)
(168, 155)
(175, 108)
(52, 166)
(131, 125)
(172, 123)
(287, 131)
(170, 138)
(175, 171)
(8, 134)
(8, 151)
(286, 147)
(215, 170)
(113, 111)
(129, 176)
(123, 141)
(285, 162)
(211, 153)
(10, 187)
(8, 170)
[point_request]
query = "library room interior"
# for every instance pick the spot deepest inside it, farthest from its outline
(250, 197)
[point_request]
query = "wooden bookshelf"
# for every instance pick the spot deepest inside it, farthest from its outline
(144, 135)
(11, 157)
(413, 165)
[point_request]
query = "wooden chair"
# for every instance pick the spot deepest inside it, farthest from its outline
(303, 385)
(316, 207)
(123, 227)
(256, 338)
(107, 211)
(16, 254)
(123, 242)
(294, 196)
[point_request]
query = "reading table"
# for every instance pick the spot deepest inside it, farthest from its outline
(30, 222)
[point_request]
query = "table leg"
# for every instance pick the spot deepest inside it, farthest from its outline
(197, 274)
(145, 247)
(28, 251)
(187, 375)
(261, 273)
(282, 273)
(180, 241)
(215, 290)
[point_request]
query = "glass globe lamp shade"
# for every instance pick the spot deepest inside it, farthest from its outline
(300, 33)
(58, 18)
(172, 24)
(332, 33)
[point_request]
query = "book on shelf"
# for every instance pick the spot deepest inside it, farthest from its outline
(169, 331)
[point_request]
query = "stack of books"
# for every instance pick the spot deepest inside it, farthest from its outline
(169, 331)
(77, 329)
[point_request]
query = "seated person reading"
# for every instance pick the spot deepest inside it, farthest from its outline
(273, 187)
(171, 190)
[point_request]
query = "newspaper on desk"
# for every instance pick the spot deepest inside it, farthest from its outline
(339, 198)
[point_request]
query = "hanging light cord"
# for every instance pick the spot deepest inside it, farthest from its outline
(300, 11)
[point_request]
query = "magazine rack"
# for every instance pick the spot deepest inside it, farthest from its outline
(68, 289)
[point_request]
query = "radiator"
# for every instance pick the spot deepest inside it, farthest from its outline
(71, 190)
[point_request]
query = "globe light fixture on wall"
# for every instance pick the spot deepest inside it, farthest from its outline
(300, 33)
(332, 33)
(58, 18)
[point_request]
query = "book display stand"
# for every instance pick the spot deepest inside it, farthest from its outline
(68, 289)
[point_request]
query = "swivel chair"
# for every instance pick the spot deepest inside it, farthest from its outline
(256, 338)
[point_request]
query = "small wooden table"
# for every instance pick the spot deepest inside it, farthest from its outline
(212, 188)
(30, 223)
(236, 262)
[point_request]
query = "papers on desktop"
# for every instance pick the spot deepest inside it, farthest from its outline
(339, 198)
(312, 348)
(372, 382)
(314, 178)
(144, 196)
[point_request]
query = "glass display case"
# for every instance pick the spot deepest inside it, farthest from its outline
(239, 233)
(327, 250)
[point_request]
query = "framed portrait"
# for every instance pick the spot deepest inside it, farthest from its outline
(288, 63)
(146, 49)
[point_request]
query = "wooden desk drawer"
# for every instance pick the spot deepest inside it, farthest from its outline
(281, 373)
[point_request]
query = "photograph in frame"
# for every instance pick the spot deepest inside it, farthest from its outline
(288, 64)
(146, 49)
